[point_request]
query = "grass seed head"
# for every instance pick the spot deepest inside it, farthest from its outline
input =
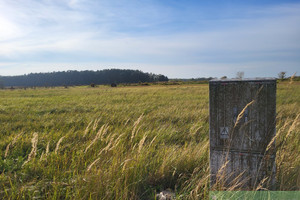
(57, 145)
(11, 144)
(32, 154)
(87, 129)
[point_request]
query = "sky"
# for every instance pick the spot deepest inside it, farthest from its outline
(176, 38)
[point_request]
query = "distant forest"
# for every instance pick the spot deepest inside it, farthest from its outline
(69, 78)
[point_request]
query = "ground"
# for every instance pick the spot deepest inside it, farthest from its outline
(121, 143)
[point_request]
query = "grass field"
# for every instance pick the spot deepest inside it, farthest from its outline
(122, 143)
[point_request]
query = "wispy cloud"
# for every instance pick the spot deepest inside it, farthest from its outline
(173, 39)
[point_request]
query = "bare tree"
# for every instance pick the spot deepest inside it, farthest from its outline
(281, 75)
(240, 75)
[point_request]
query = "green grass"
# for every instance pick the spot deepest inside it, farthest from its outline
(121, 143)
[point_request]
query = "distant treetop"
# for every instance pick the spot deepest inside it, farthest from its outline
(68, 78)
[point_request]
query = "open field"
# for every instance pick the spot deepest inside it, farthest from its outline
(122, 143)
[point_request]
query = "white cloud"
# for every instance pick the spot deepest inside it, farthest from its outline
(8, 30)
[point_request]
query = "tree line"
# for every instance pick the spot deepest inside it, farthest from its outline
(73, 77)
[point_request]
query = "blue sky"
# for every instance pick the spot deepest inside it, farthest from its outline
(177, 38)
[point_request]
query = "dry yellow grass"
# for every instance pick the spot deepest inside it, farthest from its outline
(157, 139)
(32, 154)
(57, 144)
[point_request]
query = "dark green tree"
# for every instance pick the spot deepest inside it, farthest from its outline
(70, 78)
(1, 83)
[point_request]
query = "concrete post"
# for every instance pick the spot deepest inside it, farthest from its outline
(242, 128)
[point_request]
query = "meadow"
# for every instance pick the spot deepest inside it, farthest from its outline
(122, 143)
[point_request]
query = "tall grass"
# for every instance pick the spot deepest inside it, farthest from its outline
(121, 143)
